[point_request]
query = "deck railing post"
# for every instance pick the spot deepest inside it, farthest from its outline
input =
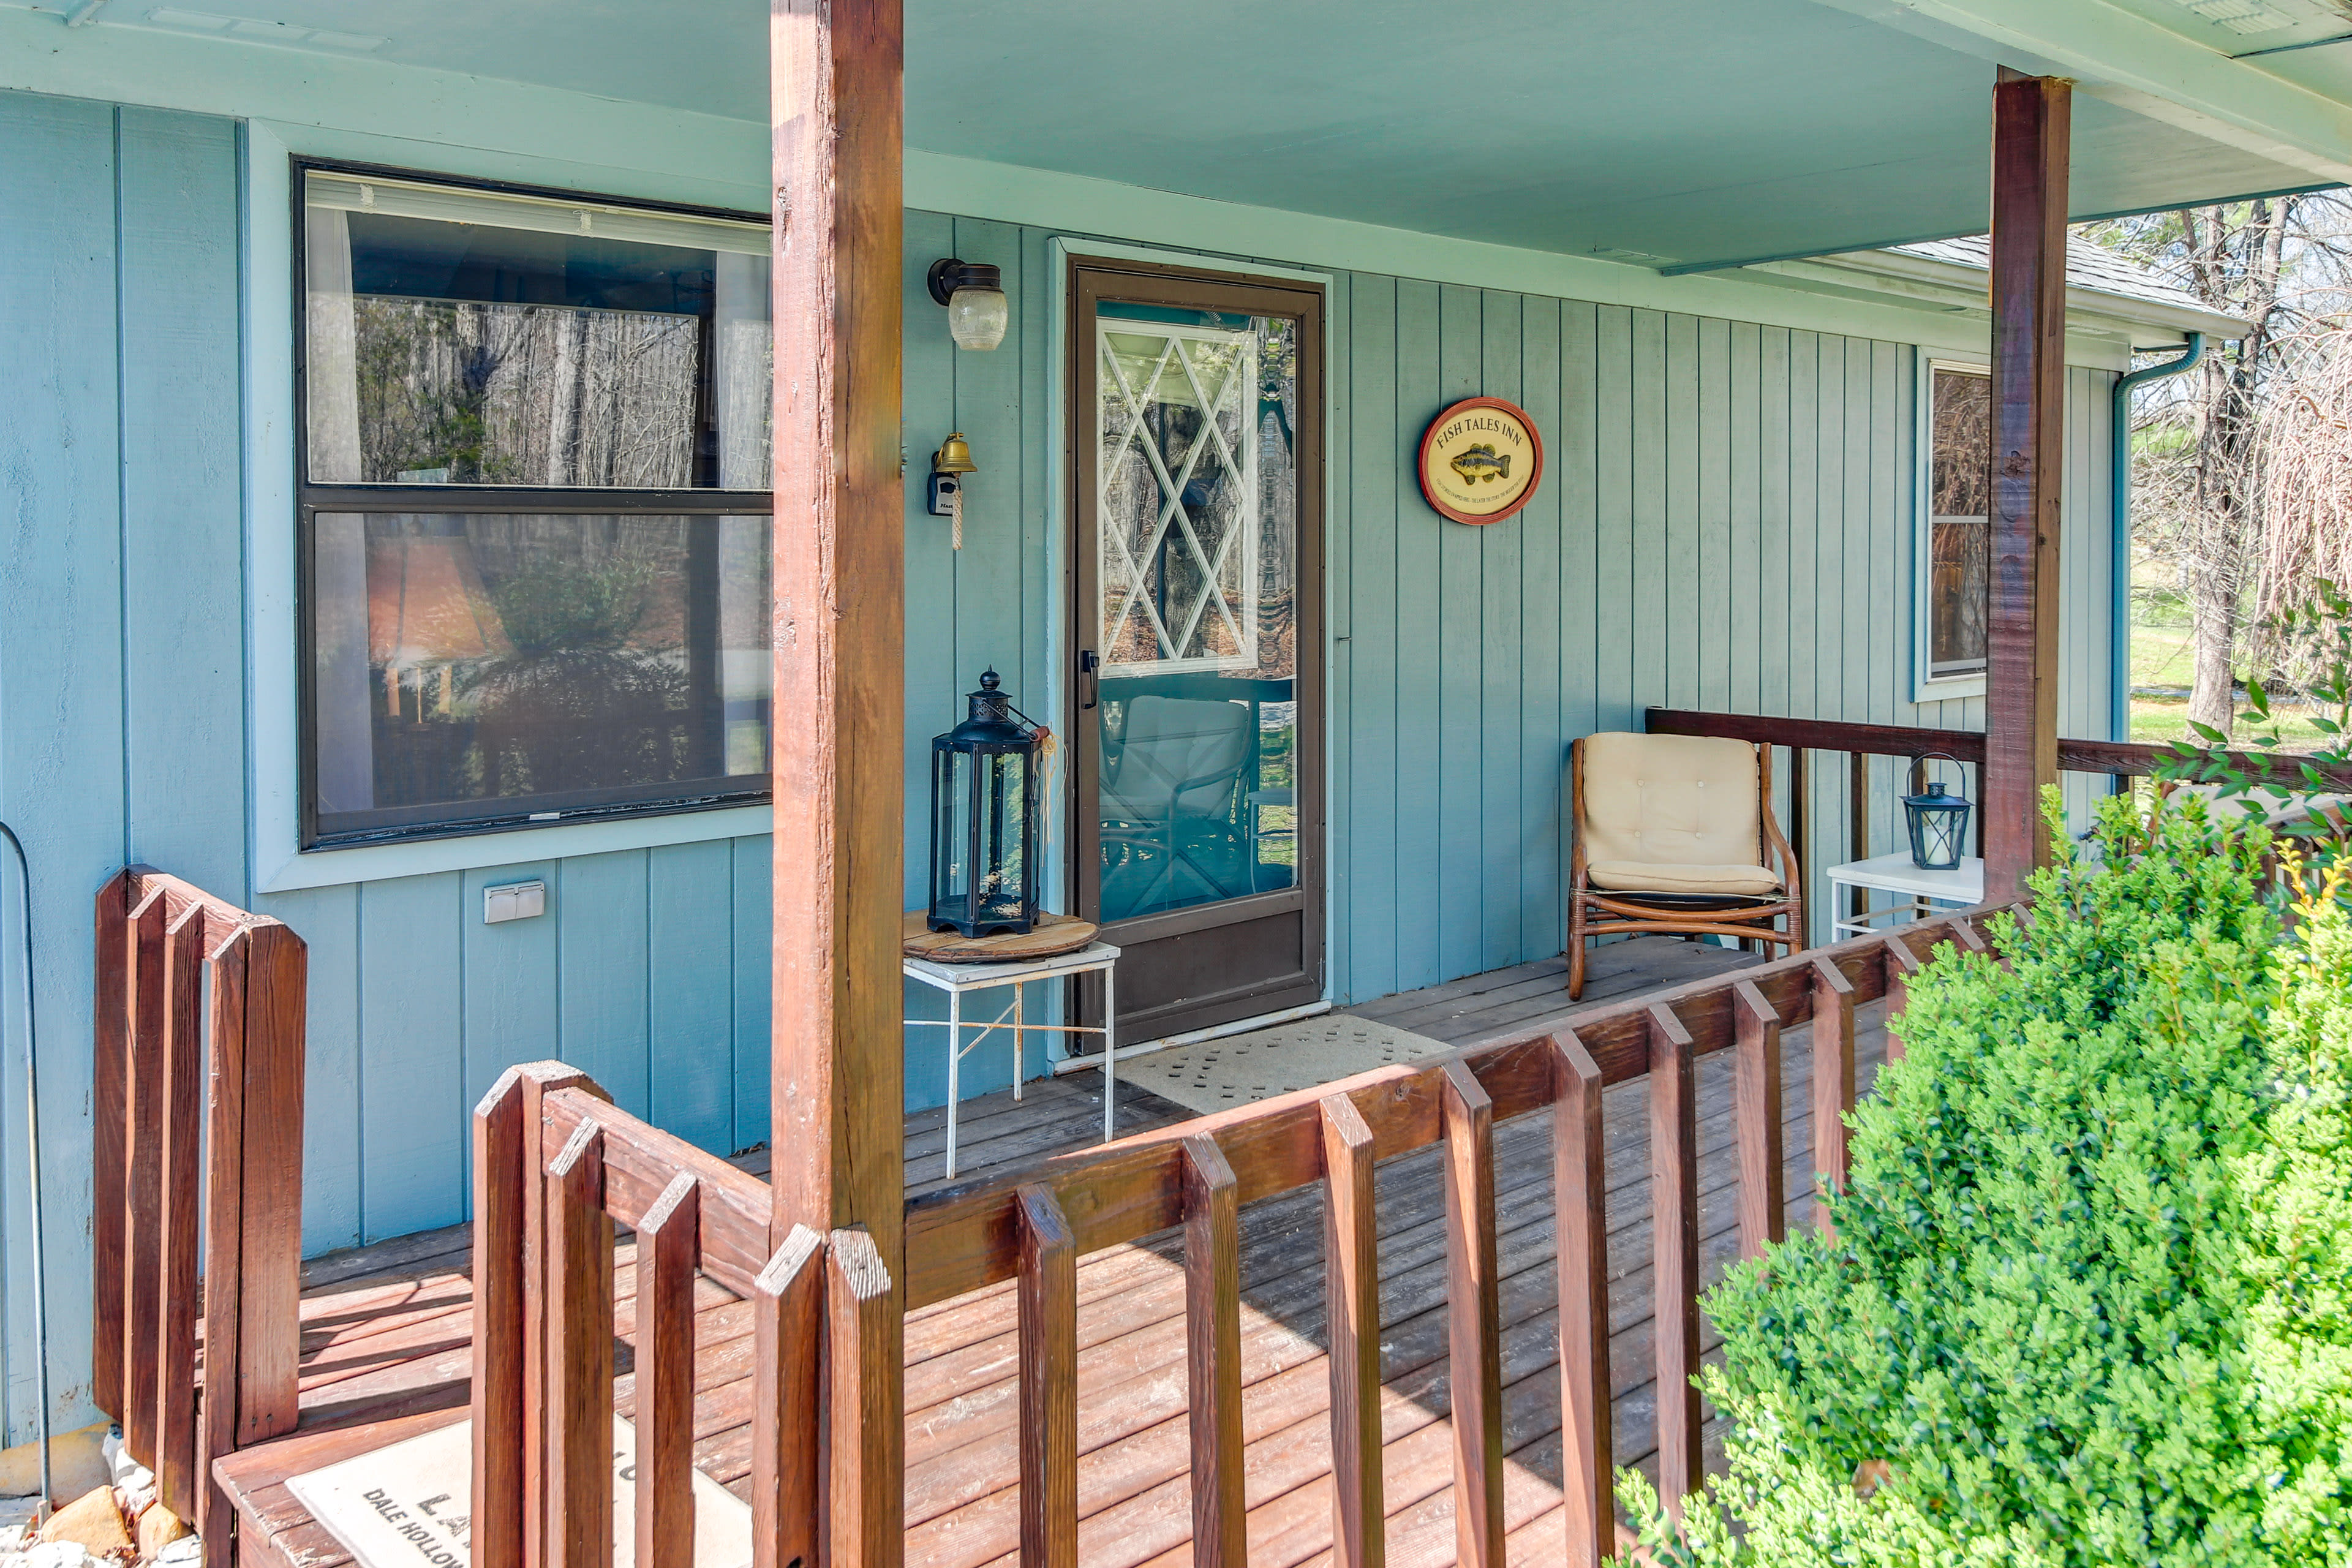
(1213, 1300)
(1579, 1198)
(501, 1498)
(1352, 1264)
(1756, 1109)
(1902, 963)
(864, 1422)
(1833, 1083)
(579, 1353)
(1473, 1316)
(224, 1233)
(1674, 1222)
(269, 1247)
(1048, 1314)
(787, 1324)
(176, 1217)
(142, 1267)
(538, 1081)
(670, 1242)
(112, 939)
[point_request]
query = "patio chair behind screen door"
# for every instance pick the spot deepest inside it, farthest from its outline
(1196, 424)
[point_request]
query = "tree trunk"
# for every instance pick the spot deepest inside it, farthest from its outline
(2213, 613)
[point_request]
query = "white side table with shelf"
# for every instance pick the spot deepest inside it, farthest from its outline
(958, 979)
(1918, 892)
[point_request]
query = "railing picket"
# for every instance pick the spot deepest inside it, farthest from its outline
(269, 1248)
(787, 1317)
(1351, 1263)
(865, 1427)
(109, 1107)
(1674, 1222)
(1580, 1194)
(1213, 1327)
(539, 1079)
(1756, 1094)
(501, 1149)
(1833, 1081)
(223, 1230)
(177, 1217)
(143, 1178)
(669, 1244)
(1902, 963)
(1473, 1318)
(578, 1350)
(1048, 1308)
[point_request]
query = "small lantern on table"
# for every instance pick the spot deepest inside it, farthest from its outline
(1939, 822)
(984, 798)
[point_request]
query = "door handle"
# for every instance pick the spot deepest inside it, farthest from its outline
(1090, 666)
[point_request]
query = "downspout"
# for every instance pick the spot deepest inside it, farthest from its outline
(2119, 515)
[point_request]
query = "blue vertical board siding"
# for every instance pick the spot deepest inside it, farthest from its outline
(690, 915)
(1682, 565)
(1337, 596)
(1541, 748)
(61, 773)
(1419, 388)
(513, 976)
(1367, 812)
(752, 980)
(600, 914)
(328, 920)
(183, 495)
(1611, 590)
(1504, 650)
(413, 1128)
(1461, 891)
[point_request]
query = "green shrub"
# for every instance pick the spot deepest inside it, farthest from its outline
(2091, 1297)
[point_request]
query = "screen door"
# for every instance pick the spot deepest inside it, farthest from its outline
(1196, 418)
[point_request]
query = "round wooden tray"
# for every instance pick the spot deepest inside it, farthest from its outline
(1055, 934)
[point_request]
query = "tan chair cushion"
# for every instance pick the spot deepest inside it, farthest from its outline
(1645, 876)
(1672, 800)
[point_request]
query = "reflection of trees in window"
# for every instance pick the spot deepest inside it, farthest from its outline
(1961, 533)
(472, 392)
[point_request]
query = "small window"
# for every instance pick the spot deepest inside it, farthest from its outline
(534, 507)
(1957, 573)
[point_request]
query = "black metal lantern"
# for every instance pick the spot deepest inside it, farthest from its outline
(1939, 823)
(984, 819)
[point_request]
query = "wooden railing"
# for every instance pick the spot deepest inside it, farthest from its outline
(1033, 1227)
(196, 1100)
(556, 1166)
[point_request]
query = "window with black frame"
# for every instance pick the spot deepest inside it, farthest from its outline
(534, 507)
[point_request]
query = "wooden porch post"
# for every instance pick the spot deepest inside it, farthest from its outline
(2029, 122)
(838, 629)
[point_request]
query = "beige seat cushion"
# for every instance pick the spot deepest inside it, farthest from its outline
(1673, 813)
(1647, 877)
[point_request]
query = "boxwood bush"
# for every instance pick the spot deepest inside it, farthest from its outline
(2090, 1301)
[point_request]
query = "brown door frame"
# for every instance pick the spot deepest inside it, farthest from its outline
(1087, 281)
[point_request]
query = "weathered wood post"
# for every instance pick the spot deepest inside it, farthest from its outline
(2030, 123)
(837, 630)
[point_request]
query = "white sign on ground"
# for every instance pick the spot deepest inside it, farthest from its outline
(407, 1505)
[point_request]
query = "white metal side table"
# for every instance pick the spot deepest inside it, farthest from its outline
(1919, 892)
(957, 979)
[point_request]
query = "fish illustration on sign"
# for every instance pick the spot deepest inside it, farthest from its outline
(1479, 462)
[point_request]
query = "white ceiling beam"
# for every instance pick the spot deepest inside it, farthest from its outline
(2136, 64)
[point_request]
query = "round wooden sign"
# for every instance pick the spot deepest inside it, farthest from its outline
(1481, 460)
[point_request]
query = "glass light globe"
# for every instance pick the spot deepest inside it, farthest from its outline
(977, 317)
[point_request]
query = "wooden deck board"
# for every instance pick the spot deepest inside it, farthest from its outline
(386, 1347)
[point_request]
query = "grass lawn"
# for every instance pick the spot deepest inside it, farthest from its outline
(2161, 663)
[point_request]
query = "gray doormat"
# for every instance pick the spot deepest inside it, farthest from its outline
(1217, 1075)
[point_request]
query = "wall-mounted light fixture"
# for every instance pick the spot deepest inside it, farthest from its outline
(973, 294)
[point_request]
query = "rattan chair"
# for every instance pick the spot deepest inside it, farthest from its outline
(1674, 835)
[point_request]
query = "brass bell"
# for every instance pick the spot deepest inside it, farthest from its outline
(953, 456)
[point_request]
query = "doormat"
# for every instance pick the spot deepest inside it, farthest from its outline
(1217, 1075)
(407, 1506)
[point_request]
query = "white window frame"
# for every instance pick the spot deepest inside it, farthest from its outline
(1925, 687)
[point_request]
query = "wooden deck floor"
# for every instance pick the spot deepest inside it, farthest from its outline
(386, 1344)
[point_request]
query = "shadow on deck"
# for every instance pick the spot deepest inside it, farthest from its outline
(386, 1340)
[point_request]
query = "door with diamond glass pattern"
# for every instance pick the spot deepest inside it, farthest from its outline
(1196, 421)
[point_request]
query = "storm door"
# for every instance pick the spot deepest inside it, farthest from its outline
(1196, 428)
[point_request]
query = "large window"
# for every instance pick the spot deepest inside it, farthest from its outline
(534, 507)
(1956, 574)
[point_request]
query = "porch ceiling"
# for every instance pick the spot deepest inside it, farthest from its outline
(1680, 133)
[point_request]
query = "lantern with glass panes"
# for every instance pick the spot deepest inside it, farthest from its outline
(984, 819)
(1939, 822)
